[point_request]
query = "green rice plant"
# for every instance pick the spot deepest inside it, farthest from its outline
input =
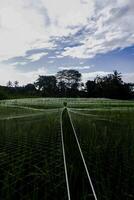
(78, 181)
(31, 158)
(108, 150)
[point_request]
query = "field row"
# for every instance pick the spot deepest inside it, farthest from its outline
(49, 103)
(31, 160)
(31, 152)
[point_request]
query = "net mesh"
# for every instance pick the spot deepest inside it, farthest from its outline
(31, 160)
(108, 148)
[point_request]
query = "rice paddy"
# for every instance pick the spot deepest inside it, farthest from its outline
(32, 159)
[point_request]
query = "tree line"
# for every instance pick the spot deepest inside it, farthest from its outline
(68, 83)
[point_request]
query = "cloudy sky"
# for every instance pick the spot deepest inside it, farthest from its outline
(45, 36)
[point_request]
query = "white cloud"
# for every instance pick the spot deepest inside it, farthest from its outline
(51, 57)
(126, 77)
(64, 13)
(29, 24)
(112, 27)
(18, 63)
(75, 67)
(8, 72)
(59, 56)
(92, 75)
(51, 61)
(21, 29)
(11, 73)
(37, 56)
(81, 63)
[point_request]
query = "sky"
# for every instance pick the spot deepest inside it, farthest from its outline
(41, 37)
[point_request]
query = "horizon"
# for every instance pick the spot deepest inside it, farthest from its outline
(42, 37)
(93, 76)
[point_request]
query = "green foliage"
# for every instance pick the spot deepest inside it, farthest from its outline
(106, 138)
(3, 95)
(67, 83)
(46, 84)
(110, 86)
(31, 160)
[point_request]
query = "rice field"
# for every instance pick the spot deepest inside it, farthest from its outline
(84, 151)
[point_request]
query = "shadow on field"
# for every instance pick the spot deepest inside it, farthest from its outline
(78, 181)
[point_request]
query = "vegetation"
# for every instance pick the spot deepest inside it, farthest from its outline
(31, 158)
(47, 85)
(31, 161)
(67, 83)
(107, 143)
(110, 86)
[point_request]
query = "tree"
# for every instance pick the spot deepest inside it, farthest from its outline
(16, 84)
(68, 81)
(62, 88)
(117, 77)
(90, 86)
(47, 85)
(3, 95)
(9, 84)
(30, 87)
(110, 86)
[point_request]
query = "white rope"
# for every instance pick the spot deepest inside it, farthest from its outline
(83, 159)
(30, 108)
(21, 116)
(88, 114)
(85, 114)
(64, 158)
(98, 117)
(105, 109)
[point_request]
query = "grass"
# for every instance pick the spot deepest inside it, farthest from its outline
(108, 150)
(78, 182)
(31, 160)
(48, 103)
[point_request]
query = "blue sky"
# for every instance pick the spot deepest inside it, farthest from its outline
(41, 37)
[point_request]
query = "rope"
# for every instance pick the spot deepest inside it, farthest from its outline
(85, 114)
(64, 158)
(88, 114)
(21, 116)
(98, 117)
(105, 109)
(29, 108)
(83, 159)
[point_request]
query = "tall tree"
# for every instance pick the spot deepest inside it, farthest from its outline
(9, 84)
(110, 86)
(16, 84)
(90, 86)
(68, 81)
(46, 84)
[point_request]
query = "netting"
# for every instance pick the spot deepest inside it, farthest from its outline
(83, 159)
(64, 156)
(31, 160)
(96, 117)
(108, 148)
(77, 177)
(34, 165)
